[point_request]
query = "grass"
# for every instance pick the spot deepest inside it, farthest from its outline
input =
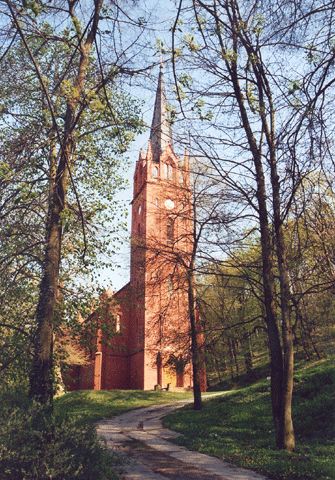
(238, 427)
(88, 406)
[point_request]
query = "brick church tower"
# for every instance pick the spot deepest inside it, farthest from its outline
(151, 342)
(161, 230)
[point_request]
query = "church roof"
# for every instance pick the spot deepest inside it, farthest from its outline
(161, 132)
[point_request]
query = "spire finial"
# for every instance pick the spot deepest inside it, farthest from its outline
(161, 134)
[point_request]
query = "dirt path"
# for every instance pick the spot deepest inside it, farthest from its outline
(139, 434)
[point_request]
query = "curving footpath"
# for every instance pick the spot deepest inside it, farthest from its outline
(140, 436)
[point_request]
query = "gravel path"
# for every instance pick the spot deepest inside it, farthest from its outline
(139, 435)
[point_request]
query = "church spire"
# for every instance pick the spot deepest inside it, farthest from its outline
(161, 133)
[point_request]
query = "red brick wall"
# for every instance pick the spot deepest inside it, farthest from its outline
(136, 374)
(115, 372)
(86, 377)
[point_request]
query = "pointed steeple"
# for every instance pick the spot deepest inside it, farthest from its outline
(161, 133)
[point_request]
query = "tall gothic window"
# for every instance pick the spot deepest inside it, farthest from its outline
(118, 324)
(154, 172)
(169, 172)
(170, 230)
(170, 285)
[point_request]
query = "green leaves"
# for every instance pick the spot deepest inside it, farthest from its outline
(36, 446)
(190, 42)
(34, 6)
(31, 143)
(294, 86)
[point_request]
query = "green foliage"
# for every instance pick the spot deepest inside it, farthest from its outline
(229, 56)
(185, 80)
(230, 297)
(37, 446)
(233, 317)
(238, 427)
(33, 6)
(258, 23)
(294, 87)
(108, 120)
(190, 42)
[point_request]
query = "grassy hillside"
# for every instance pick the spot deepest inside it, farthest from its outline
(89, 405)
(238, 427)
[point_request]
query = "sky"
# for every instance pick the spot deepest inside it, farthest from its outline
(161, 20)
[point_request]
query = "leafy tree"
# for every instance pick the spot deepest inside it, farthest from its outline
(261, 115)
(66, 121)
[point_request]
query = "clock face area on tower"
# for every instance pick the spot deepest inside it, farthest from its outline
(169, 204)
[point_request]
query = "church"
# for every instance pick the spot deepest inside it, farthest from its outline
(150, 344)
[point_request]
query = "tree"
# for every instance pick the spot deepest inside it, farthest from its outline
(60, 139)
(256, 104)
(233, 312)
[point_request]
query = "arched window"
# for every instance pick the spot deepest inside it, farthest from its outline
(118, 324)
(169, 172)
(154, 172)
(170, 230)
(181, 178)
(170, 285)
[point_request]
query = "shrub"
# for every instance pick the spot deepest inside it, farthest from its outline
(34, 445)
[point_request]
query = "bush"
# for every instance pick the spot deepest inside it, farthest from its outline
(34, 445)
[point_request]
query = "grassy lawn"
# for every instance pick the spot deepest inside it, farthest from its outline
(238, 427)
(90, 406)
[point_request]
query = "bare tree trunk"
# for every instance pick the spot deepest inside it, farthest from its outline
(276, 359)
(41, 375)
(217, 368)
(231, 359)
(234, 351)
(247, 352)
(286, 434)
(196, 357)
(281, 362)
(287, 440)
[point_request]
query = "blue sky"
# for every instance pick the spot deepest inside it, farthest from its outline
(160, 20)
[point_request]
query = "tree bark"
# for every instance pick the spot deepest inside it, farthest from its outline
(282, 361)
(234, 351)
(196, 357)
(287, 439)
(276, 358)
(41, 375)
(247, 352)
